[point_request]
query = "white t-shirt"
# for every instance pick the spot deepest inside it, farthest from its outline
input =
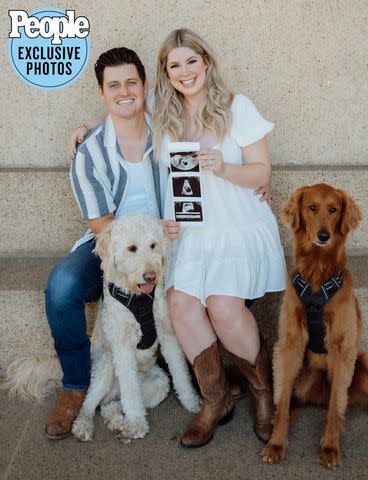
(135, 196)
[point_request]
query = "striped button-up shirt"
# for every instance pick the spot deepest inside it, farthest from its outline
(99, 177)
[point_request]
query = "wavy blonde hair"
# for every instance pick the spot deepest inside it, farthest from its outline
(169, 115)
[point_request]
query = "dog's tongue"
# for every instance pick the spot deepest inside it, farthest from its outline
(146, 288)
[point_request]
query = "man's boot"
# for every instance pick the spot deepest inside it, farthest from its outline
(259, 381)
(60, 421)
(218, 402)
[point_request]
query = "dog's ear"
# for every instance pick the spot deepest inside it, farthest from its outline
(351, 214)
(290, 212)
(103, 240)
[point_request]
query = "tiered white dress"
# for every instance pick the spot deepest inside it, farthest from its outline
(237, 249)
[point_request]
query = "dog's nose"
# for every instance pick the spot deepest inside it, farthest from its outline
(323, 235)
(149, 277)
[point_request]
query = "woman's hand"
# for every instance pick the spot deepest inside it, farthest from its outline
(264, 193)
(171, 228)
(211, 160)
(76, 138)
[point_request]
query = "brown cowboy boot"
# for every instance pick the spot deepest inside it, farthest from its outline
(218, 402)
(60, 421)
(260, 385)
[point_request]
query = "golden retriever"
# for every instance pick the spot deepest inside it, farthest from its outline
(321, 218)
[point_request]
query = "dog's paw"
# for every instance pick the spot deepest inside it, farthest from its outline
(82, 428)
(128, 431)
(115, 423)
(138, 428)
(273, 453)
(192, 403)
(329, 456)
(122, 432)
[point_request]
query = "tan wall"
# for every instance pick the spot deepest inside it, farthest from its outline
(304, 64)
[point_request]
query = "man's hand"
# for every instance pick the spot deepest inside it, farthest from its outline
(98, 224)
(171, 228)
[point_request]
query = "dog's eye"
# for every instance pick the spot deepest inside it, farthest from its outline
(312, 207)
(132, 248)
(332, 210)
(153, 245)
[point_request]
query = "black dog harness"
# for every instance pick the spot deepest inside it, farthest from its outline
(141, 308)
(314, 303)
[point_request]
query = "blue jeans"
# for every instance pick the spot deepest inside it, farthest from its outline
(77, 279)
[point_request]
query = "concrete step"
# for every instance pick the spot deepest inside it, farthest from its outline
(233, 454)
(24, 328)
(39, 212)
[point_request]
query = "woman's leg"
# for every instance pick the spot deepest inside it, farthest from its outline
(235, 326)
(199, 342)
(191, 323)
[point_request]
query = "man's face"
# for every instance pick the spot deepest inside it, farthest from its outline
(123, 91)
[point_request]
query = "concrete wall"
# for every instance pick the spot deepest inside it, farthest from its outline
(303, 63)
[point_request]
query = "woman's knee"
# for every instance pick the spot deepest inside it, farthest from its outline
(225, 312)
(182, 306)
(218, 309)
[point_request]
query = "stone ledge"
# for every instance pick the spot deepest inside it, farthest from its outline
(23, 273)
(40, 213)
(24, 329)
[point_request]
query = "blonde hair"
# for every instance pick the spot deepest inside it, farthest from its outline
(169, 114)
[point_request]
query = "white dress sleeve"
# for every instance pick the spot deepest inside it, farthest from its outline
(248, 124)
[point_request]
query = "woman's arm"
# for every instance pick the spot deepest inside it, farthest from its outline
(255, 172)
(80, 131)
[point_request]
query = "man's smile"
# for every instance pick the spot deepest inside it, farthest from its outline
(125, 101)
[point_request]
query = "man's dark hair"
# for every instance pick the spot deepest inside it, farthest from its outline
(118, 56)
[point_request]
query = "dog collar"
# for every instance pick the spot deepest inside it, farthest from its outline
(314, 303)
(141, 307)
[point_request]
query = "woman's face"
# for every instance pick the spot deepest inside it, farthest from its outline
(186, 71)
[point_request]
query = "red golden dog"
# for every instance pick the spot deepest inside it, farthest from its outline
(320, 328)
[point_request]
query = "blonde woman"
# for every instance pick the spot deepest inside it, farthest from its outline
(236, 254)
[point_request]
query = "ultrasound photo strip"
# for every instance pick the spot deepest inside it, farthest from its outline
(185, 181)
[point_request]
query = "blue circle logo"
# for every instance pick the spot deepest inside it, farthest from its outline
(48, 48)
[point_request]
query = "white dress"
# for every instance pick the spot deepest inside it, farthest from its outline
(237, 250)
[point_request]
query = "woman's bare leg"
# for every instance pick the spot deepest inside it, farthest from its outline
(191, 323)
(234, 325)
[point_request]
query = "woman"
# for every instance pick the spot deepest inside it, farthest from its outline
(236, 254)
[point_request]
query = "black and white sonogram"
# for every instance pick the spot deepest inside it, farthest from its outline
(186, 186)
(188, 211)
(184, 162)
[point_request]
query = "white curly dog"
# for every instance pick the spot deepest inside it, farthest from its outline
(125, 379)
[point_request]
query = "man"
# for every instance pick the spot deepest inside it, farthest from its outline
(113, 174)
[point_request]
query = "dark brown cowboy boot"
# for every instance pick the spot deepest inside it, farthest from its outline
(60, 421)
(259, 380)
(218, 402)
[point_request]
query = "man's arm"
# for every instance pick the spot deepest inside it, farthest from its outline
(90, 187)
